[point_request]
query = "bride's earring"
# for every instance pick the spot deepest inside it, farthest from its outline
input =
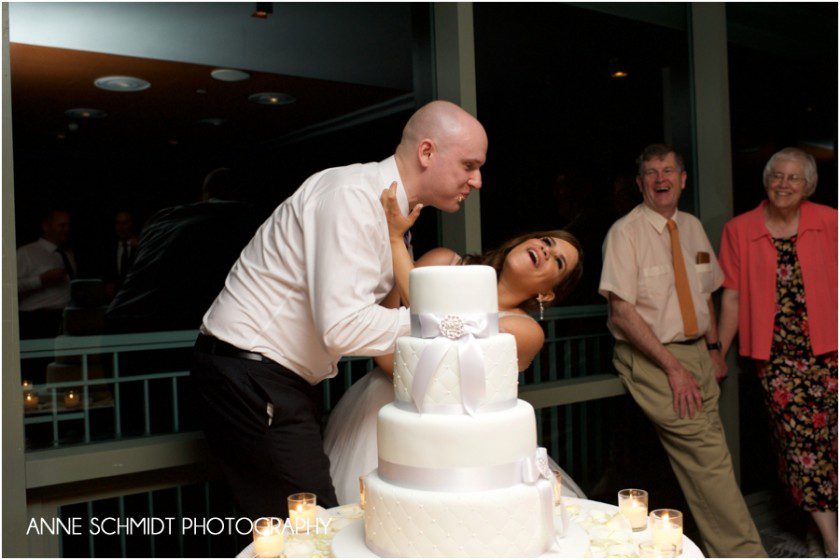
(542, 308)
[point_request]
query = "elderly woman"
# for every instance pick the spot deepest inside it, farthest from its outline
(780, 292)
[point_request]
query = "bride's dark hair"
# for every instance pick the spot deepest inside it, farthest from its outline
(496, 259)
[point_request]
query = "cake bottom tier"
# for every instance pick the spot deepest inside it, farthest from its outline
(403, 522)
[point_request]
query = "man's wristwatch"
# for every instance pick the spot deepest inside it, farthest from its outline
(714, 345)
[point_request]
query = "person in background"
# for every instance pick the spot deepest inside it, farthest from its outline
(121, 252)
(44, 270)
(780, 295)
(658, 275)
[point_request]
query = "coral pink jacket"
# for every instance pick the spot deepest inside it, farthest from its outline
(748, 259)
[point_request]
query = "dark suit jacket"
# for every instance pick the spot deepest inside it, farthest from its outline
(183, 258)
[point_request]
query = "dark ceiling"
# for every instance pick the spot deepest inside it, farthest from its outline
(47, 81)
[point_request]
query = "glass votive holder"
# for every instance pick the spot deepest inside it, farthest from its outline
(26, 385)
(666, 527)
(633, 505)
(71, 399)
(557, 484)
(268, 537)
(30, 401)
(302, 512)
(650, 549)
(362, 492)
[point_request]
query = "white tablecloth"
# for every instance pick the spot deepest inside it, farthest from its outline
(581, 512)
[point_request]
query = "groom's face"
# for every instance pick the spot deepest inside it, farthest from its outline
(454, 169)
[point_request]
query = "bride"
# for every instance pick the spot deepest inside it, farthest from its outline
(533, 270)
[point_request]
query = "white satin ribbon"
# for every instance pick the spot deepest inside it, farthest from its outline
(532, 470)
(535, 471)
(470, 358)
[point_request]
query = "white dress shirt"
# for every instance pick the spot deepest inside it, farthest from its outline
(305, 290)
(639, 268)
(33, 260)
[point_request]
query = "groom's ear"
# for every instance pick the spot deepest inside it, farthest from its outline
(425, 150)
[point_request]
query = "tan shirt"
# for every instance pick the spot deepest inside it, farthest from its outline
(638, 268)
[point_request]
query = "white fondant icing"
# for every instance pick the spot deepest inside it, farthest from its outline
(446, 440)
(448, 290)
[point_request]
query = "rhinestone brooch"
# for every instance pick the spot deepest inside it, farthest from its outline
(452, 327)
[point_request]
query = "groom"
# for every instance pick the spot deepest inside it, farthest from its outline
(304, 292)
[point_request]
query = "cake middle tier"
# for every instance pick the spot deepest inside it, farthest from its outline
(501, 372)
(409, 439)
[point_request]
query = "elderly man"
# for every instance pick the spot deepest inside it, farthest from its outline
(306, 291)
(659, 274)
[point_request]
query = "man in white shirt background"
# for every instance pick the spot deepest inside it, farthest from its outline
(44, 269)
(305, 292)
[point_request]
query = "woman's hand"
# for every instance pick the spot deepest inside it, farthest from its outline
(398, 224)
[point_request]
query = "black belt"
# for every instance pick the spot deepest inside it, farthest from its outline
(212, 345)
(692, 341)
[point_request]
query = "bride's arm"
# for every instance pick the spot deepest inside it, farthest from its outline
(528, 334)
(398, 224)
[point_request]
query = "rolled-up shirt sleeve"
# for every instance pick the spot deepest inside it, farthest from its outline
(345, 238)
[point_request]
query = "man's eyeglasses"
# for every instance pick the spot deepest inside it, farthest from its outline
(780, 177)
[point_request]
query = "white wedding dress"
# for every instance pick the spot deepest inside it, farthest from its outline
(350, 437)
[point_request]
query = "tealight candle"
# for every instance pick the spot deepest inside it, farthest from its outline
(649, 549)
(30, 401)
(71, 399)
(268, 537)
(633, 505)
(26, 385)
(666, 527)
(362, 492)
(302, 511)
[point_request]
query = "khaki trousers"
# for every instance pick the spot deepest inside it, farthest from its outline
(696, 447)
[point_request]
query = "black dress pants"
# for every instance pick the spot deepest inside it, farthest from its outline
(262, 462)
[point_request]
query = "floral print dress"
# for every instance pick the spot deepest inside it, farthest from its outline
(800, 390)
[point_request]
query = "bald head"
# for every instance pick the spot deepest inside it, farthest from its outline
(439, 155)
(438, 121)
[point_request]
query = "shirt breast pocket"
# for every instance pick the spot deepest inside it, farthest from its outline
(705, 277)
(656, 279)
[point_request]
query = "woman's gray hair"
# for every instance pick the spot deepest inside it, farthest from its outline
(794, 154)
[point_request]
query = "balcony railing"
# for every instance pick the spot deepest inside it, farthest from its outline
(66, 468)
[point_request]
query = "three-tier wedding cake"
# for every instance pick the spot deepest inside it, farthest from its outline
(459, 470)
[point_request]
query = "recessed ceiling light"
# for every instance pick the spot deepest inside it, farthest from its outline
(619, 74)
(121, 83)
(271, 98)
(229, 75)
(212, 121)
(82, 113)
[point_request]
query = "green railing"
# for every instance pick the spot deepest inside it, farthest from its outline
(567, 384)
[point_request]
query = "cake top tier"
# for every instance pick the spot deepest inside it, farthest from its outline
(444, 290)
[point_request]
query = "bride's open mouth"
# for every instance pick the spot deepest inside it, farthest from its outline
(534, 257)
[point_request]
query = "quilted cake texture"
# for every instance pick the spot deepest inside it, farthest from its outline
(404, 522)
(500, 371)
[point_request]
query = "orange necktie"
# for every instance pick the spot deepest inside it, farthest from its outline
(681, 281)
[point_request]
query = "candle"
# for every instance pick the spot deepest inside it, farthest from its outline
(362, 492)
(27, 386)
(302, 511)
(71, 399)
(633, 505)
(649, 549)
(30, 401)
(666, 527)
(268, 537)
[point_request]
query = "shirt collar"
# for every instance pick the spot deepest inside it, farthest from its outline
(389, 173)
(49, 246)
(657, 220)
(807, 220)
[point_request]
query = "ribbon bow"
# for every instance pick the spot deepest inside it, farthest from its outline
(446, 331)
(536, 472)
